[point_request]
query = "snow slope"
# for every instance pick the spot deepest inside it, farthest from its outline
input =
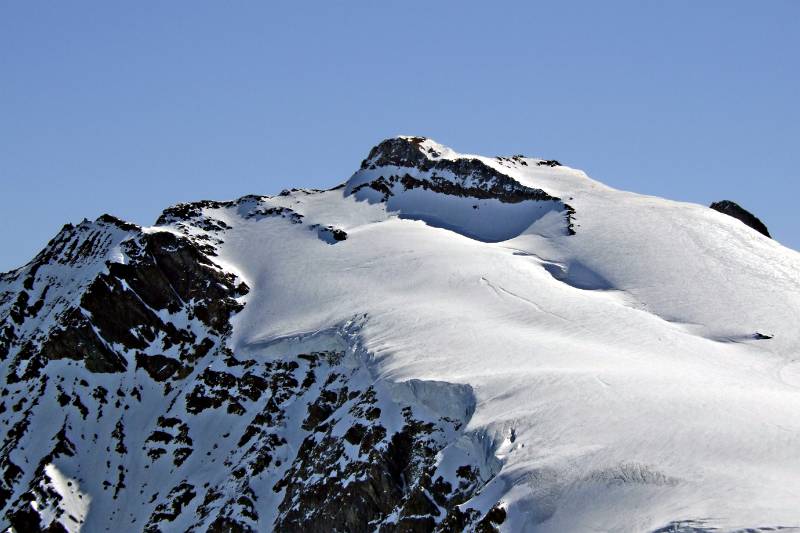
(599, 348)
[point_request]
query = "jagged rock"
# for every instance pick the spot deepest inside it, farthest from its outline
(332, 235)
(475, 178)
(399, 170)
(736, 211)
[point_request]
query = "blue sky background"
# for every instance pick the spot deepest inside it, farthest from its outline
(129, 107)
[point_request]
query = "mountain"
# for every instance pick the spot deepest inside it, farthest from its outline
(444, 342)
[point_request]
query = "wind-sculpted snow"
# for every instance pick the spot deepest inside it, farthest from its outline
(444, 342)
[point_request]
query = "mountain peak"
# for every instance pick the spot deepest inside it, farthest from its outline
(406, 151)
(479, 197)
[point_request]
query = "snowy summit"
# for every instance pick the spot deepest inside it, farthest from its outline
(444, 342)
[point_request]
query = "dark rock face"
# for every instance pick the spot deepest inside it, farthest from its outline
(399, 151)
(118, 309)
(736, 211)
(330, 234)
(549, 163)
(375, 478)
(108, 297)
(406, 163)
(485, 181)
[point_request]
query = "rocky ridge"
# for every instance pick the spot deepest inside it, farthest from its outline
(736, 211)
(398, 167)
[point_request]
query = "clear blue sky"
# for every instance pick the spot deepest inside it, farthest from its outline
(128, 107)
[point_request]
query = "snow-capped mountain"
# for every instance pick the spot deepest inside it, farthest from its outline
(444, 342)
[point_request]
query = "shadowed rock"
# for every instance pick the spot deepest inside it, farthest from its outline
(465, 194)
(736, 211)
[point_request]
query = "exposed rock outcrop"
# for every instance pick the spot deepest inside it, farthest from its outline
(736, 211)
(473, 196)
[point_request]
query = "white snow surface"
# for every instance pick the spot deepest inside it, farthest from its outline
(615, 370)
(616, 380)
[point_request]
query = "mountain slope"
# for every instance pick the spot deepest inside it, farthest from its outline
(444, 342)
